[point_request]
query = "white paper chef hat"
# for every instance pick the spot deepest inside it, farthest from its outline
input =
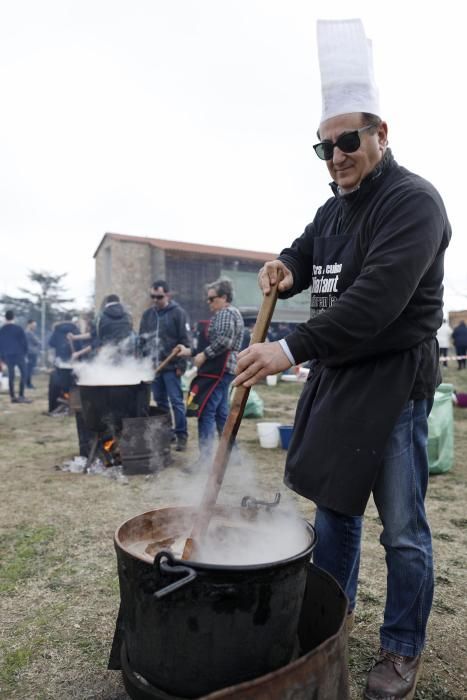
(346, 66)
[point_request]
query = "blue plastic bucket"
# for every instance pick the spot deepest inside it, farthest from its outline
(285, 432)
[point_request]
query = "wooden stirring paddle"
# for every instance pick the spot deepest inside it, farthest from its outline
(176, 351)
(221, 457)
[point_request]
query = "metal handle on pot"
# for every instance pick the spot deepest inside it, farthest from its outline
(250, 502)
(167, 565)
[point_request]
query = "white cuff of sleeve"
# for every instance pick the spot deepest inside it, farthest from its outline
(286, 350)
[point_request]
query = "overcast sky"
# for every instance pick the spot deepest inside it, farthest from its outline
(194, 120)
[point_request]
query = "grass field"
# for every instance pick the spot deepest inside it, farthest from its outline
(58, 583)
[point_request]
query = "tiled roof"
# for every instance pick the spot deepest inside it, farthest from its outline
(191, 247)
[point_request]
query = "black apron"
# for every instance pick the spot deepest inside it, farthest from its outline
(204, 383)
(345, 414)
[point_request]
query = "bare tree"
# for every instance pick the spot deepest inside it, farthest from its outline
(45, 303)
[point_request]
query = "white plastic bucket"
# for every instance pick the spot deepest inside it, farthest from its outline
(268, 434)
(271, 379)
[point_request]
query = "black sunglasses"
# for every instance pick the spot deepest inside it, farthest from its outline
(347, 143)
(209, 299)
(157, 296)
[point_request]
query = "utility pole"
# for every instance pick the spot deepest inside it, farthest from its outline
(43, 313)
(44, 292)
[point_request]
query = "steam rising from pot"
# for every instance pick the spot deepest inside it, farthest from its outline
(271, 536)
(111, 368)
(238, 538)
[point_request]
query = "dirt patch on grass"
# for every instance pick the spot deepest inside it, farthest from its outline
(58, 583)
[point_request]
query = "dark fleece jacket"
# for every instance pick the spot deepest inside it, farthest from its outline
(161, 330)
(12, 340)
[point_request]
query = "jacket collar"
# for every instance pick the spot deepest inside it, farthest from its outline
(167, 308)
(367, 183)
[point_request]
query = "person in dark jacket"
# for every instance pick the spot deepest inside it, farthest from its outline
(60, 378)
(59, 340)
(459, 336)
(164, 326)
(112, 327)
(13, 350)
(373, 258)
(34, 348)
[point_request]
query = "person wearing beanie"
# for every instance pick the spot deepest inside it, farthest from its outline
(373, 258)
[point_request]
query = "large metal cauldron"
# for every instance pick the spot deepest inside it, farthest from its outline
(104, 406)
(192, 628)
(320, 672)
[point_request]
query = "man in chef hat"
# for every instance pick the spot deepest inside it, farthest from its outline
(373, 258)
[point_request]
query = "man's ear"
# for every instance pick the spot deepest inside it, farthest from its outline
(383, 135)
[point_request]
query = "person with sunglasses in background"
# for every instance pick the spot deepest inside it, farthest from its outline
(373, 259)
(208, 395)
(164, 326)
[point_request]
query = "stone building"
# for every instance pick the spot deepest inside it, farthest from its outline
(127, 266)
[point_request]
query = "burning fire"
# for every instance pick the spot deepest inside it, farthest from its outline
(108, 444)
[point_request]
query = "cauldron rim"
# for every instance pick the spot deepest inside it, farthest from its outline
(204, 566)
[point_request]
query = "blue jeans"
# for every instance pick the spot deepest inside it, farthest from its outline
(214, 415)
(399, 495)
(168, 387)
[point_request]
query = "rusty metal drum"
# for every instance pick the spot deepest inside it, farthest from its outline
(320, 671)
